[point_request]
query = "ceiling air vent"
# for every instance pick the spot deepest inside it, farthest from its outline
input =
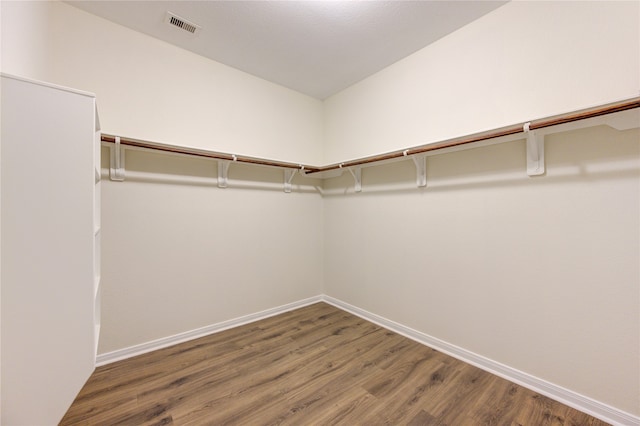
(181, 23)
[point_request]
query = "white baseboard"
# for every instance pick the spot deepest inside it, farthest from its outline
(164, 342)
(572, 399)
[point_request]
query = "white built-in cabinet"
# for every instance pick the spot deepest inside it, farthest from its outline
(50, 251)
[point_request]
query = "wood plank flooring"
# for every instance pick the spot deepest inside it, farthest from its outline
(317, 365)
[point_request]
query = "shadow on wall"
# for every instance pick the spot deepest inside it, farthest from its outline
(591, 153)
(157, 167)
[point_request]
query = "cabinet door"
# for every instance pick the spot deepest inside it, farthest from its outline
(47, 230)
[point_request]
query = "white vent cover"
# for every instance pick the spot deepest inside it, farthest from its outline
(181, 23)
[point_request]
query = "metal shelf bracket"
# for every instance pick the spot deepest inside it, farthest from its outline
(535, 151)
(288, 178)
(223, 173)
(116, 162)
(356, 172)
(420, 161)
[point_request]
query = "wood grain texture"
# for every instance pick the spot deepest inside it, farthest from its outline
(317, 365)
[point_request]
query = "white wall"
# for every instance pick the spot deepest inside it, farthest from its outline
(178, 256)
(540, 274)
(24, 39)
(0, 220)
(180, 253)
(526, 60)
(150, 90)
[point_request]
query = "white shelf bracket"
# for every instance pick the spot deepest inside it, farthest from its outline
(223, 173)
(421, 169)
(116, 164)
(288, 178)
(357, 176)
(535, 151)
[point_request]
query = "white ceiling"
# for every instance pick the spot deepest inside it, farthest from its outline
(314, 47)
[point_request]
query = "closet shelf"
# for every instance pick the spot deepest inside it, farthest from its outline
(175, 149)
(515, 129)
(521, 129)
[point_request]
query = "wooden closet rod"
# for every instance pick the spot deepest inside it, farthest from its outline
(204, 153)
(492, 134)
(464, 140)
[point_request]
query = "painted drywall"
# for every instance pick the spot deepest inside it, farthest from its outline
(0, 219)
(526, 60)
(540, 274)
(150, 90)
(178, 256)
(179, 253)
(23, 41)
